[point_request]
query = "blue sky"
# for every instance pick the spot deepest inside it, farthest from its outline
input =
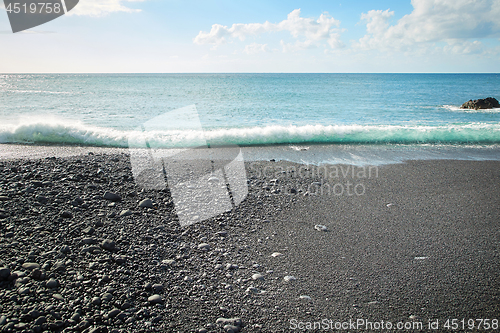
(165, 36)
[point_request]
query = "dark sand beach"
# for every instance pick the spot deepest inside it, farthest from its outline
(404, 243)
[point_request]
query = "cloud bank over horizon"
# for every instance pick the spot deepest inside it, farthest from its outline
(455, 26)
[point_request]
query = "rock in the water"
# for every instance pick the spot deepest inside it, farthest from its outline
(146, 203)
(486, 103)
(112, 197)
(30, 265)
(108, 244)
(154, 299)
(320, 227)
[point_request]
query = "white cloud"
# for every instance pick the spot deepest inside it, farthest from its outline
(102, 7)
(255, 48)
(454, 22)
(307, 31)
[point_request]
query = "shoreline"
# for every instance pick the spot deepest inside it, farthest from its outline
(421, 243)
(314, 154)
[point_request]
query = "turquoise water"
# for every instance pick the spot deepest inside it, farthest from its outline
(250, 109)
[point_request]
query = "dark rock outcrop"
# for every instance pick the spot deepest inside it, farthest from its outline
(487, 103)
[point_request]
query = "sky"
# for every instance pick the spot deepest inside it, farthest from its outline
(259, 36)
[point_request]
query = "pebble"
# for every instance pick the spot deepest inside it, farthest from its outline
(305, 297)
(66, 214)
(52, 283)
(126, 212)
(112, 197)
(168, 261)
(59, 297)
(158, 287)
(40, 320)
(106, 297)
(88, 231)
(252, 290)
(257, 276)
(41, 199)
(320, 227)
(230, 324)
(30, 265)
(276, 254)
(146, 203)
(204, 247)
(4, 273)
(113, 313)
(154, 299)
(108, 244)
(58, 267)
(96, 300)
(24, 291)
(65, 249)
(289, 278)
(89, 240)
(4, 198)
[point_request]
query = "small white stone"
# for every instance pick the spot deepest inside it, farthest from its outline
(168, 261)
(320, 227)
(289, 278)
(304, 297)
(252, 290)
(204, 247)
(257, 276)
(276, 254)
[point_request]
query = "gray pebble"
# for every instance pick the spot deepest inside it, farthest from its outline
(52, 283)
(257, 276)
(30, 265)
(108, 244)
(112, 197)
(4, 273)
(146, 203)
(154, 299)
(126, 212)
(204, 247)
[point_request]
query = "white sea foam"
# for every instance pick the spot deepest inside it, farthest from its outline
(76, 133)
(455, 108)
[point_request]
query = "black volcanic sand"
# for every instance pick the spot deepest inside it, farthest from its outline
(414, 242)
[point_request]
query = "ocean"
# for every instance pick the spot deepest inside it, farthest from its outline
(295, 110)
